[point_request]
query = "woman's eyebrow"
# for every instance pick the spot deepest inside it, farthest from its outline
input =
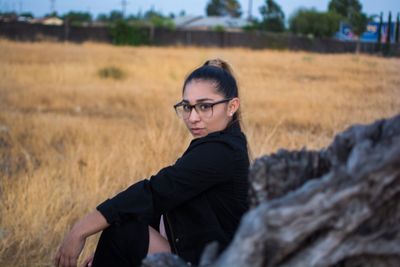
(199, 100)
(204, 100)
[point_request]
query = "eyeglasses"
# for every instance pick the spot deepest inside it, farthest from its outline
(204, 110)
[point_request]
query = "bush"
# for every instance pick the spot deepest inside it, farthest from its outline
(111, 72)
(74, 18)
(219, 28)
(123, 33)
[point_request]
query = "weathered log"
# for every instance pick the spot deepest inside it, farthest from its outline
(163, 260)
(336, 207)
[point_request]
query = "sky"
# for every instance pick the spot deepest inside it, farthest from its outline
(191, 7)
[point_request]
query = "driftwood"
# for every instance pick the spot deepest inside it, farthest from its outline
(335, 207)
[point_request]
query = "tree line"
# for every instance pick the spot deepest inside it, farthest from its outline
(303, 21)
(271, 17)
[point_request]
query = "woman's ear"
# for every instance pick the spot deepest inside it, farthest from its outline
(233, 106)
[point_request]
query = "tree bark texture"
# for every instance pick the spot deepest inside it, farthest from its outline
(336, 207)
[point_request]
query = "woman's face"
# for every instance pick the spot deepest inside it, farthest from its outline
(203, 122)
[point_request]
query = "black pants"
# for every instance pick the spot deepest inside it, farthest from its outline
(122, 245)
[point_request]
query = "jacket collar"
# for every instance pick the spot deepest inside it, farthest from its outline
(232, 128)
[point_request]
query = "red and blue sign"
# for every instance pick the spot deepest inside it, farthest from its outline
(370, 35)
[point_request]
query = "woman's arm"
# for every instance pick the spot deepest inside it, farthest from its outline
(201, 168)
(74, 241)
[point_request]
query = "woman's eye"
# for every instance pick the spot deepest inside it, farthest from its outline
(205, 106)
(186, 108)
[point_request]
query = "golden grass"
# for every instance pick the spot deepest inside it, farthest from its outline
(69, 139)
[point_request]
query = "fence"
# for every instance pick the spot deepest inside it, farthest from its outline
(163, 37)
(36, 32)
(261, 40)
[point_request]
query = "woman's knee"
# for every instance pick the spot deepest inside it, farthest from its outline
(157, 243)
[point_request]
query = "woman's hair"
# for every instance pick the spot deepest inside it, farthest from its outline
(218, 72)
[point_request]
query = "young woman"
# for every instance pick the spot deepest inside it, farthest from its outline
(182, 208)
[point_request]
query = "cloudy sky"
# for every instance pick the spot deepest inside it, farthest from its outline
(194, 7)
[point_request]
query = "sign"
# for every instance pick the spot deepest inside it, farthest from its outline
(370, 35)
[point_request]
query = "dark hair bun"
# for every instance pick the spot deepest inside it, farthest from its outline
(219, 63)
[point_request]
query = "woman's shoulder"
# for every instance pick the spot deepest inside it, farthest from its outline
(231, 141)
(213, 154)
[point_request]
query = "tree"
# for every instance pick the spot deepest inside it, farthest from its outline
(224, 8)
(351, 11)
(389, 28)
(51, 14)
(122, 33)
(182, 13)
(152, 14)
(233, 8)
(8, 16)
(102, 17)
(115, 15)
(27, 15)
(273, 18)
(215, 8)
(157, 19)
(345, 7)
(132, 17)
(358, 22)
(386, 47)
(77, 18)
(312, 22)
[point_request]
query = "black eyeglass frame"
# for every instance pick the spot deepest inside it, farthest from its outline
(198, 104)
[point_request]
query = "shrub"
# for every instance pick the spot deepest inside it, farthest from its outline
(123, 33)
(111, 72)
(219, 28)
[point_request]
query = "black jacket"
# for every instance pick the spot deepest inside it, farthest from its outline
(202, 196)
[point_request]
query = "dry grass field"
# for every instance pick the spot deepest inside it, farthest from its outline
(70, 138)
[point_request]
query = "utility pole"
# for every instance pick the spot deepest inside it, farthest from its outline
(53, 7)
(124, 3)
(250, 8)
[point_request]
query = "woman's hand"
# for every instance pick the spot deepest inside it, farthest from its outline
(88, 262)
(70, 249)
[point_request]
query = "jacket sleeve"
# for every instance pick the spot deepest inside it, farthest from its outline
(201, 168)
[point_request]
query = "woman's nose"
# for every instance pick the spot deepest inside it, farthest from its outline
(194, 116)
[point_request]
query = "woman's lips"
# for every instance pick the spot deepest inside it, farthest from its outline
(197, 131)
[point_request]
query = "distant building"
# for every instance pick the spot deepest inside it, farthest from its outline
(48, 21)
(181, 21)
(210, 23)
